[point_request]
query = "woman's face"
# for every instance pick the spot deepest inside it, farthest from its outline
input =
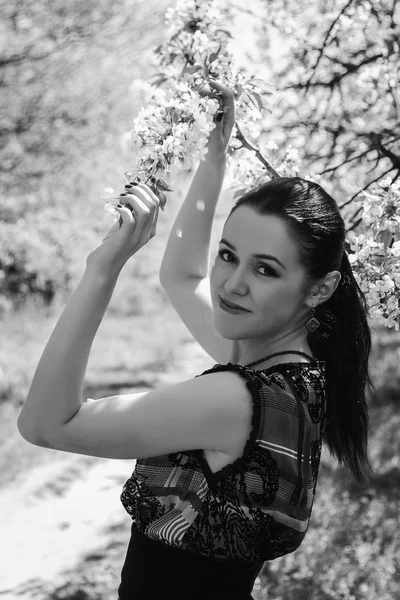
(269, 288)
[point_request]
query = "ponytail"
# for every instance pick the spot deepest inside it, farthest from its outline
(343, 340)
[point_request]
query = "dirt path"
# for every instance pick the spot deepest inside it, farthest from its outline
(55, 516)
(62, 509)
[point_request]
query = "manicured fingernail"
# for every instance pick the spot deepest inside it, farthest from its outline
(128, 186)
(123, 194)
(120, 206)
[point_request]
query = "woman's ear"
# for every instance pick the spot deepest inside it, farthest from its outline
(323, 290)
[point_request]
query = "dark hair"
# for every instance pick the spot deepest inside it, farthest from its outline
(343, 339)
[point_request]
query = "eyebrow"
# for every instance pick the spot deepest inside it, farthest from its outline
(268, 256)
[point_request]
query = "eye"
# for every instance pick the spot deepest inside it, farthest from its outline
(269, 272)
(221, 252)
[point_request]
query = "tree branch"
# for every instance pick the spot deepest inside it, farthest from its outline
(391, 155)
(351, 68)
(365, 187)
(246, 144)
(345, 162)
(353, 218)
(324, 43)
(370, 149)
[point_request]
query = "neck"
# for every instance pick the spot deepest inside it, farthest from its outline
(244, 354)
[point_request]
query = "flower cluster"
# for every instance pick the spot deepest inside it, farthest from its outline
(376, 253)
(174, 127)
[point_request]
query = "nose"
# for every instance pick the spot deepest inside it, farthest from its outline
(236, 284)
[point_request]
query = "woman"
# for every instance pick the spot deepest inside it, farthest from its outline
(227, 461)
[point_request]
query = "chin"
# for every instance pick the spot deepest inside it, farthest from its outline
(226, 333)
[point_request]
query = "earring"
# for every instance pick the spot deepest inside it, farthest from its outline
(312, 323)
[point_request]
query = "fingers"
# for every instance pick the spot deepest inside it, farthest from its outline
(226, 92)
(143, 202)
(143, 192)
(228, 101)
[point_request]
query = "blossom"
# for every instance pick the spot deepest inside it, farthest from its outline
(292, 153)
(174, 127)
(385, 183)
(271, 146)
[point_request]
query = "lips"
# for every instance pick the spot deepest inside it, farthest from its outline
(232, 305)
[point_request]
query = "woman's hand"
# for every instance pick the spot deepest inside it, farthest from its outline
(225, 119)
(136, 226)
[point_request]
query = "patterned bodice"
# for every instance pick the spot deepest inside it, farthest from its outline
(257, 508)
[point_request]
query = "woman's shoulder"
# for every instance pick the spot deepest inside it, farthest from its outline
(298, 369)
(293, 377)
(302, 378)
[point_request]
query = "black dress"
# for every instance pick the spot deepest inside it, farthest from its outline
(153, 571)
(198, 534)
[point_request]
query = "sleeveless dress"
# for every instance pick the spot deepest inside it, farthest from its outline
(202, 535)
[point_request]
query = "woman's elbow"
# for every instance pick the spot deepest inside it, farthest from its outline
(30, 434)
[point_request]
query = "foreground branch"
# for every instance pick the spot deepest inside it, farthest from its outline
(246, 144)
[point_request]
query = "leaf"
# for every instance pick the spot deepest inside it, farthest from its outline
(259, 101)
(152, 183)
(255, 102)
(147, 162)
(215, 54)
(160, 183)
(256, 81)
(163, 199)
(160, 195)
(385, 237)
(193, 69)
(262, 85)
(228, 33)
(158, 79)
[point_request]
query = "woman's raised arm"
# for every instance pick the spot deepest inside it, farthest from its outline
(184, 269)
(187, 251)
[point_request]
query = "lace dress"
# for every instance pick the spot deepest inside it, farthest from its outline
(199, 534)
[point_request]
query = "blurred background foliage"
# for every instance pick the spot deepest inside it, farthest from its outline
(339, 96)
(68, 93)
(72, 78)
